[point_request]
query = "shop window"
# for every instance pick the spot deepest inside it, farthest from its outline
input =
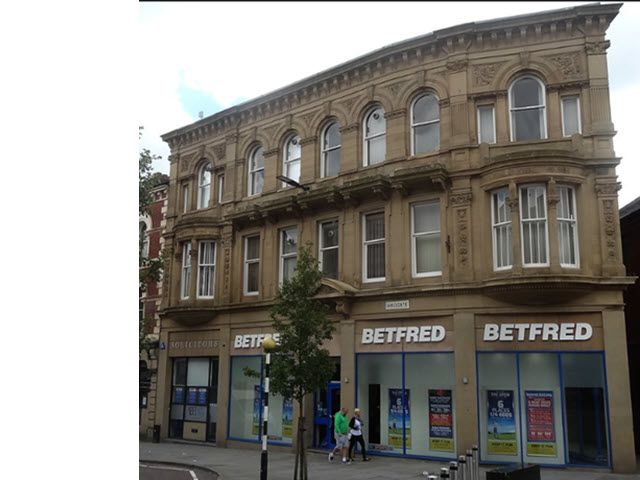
(206, 269)
(533, 225)
(329, 247)
(567, 228)
(291, 161)
(501, 230)
(547, 408)
(426, 245)
(246, 406)
(527, 106)
(407, 402)
(486, 124)
(425, 124)
(185, 280)
(571, 116)
(331, 150)
(375, 128)
(373, 247)
(256, 171)
(204, 185)
(251, 265)
(194, 398)
(288, 253)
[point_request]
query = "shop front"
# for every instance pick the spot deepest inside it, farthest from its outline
(193, 363)
(405, 387)
(542, 390)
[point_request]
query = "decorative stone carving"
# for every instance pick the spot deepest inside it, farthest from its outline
(610, 231)
(348, 103)
(457, 66)
(568, 63)
(460, 199)
(269, 153)
(308, 141)
(463, 237)
(308, 118)
(401, 112)
(608, 188)
(597, 47)
(220, 151)
(350, 128)
(395, 88)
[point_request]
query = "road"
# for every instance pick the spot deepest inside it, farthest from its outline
(157, 471)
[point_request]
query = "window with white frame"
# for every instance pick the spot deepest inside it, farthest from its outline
(288, 253)
(533, 224)
(375, 129)
(329, 246)
(331, 150)
(425, 239)
(144, 240)
(256, 171)
(567, 227)
(291, 161)
(251, 264)
(185, 198)
(373, 247)
(220, 188)
(571, 116)
(425, 124)
(486, 124)
(527, 106)
(206, 268)
(204, 185)
(185, 280)
(501, 230)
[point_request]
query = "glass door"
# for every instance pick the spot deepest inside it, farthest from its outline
(327, 402)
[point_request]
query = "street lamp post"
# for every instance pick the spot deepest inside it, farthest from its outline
(268, 344)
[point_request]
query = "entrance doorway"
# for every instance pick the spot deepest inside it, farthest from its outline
(586, 423)
(326, 404)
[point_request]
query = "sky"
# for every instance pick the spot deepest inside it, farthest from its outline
(208, 56)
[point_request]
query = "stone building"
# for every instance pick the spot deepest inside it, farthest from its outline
(151, 229)
(493, 316)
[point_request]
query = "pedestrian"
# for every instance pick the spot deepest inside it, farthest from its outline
(355, 426)
(341, 429)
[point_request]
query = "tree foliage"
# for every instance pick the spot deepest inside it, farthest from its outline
(300, 365)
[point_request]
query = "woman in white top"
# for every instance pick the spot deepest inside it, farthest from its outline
(355, 431)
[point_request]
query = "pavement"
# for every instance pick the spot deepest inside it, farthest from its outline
(244, 464)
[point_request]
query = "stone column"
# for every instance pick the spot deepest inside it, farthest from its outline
(514, 204)
(163, 387)
(225, 277)
(552, 223)
(460, 202)
(396, 136)
(224, 367)
(351, 155)
(611, 248)
(272, 167)
(309, 165)
(618, 391)
(347, 364)
(466, 413)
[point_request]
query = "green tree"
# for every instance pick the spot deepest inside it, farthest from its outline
(300, 365)
(150, 269)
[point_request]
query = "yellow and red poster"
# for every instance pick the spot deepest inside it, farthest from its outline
(541, 435)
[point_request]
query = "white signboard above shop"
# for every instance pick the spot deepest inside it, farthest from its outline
(397, 305)
(428, 333)
(519, 332)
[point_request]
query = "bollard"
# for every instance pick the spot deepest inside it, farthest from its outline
(462, 466)
(453, 470)
(476, 463)
(468, 474)
(444, 473)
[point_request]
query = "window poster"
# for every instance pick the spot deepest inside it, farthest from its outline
(440, 421)
(256, 410)
(202, 396)
(287, 417)
(396, 418)
(178, 395)
(541, 435)
(501, 425)
(191, 395)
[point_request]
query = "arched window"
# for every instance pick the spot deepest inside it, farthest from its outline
(375, 144)
(204, 185)
(291, 161)
(144, 240)
(331, 143)
(425, 124)
(527, 106)
(256, 171)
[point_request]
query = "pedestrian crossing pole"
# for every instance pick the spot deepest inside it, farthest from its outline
(268, 344)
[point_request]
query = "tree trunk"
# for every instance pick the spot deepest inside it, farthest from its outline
(301, 457)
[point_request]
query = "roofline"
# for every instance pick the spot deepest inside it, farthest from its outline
(470, 27)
